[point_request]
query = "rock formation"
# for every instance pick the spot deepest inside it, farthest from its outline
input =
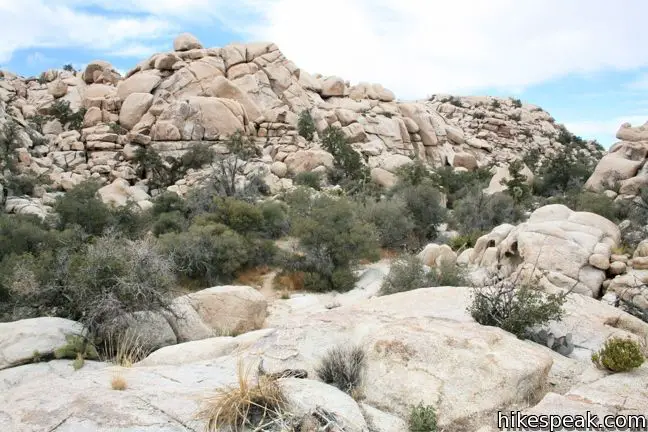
(173, 100)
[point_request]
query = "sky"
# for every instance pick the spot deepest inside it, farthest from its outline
(584, 61)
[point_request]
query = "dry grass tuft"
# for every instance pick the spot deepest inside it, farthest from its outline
(118, 382)
(245, 404)
(344, 367)
(124, 349)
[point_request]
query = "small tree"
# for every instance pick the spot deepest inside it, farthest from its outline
(516, 185)
(241, 151)
(306, 125)
(350, 172)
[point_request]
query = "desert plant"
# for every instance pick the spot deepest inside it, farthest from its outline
(306, 125)
(405, 274)
(422, 418)
(446, 274)
(68, 67)
(118, 383)
(344, 367)
(334, 239)
(226, 168)
(479, 211)
(495, 104)
(392, 220)
(349, 170)
(80, 206)
(78, 348)
(516, 185)
(123, 348)
(517, 103)
(423, 204)
(619, 355)
(515, 308)
(464, 241)
(244, 405)
(309, 179)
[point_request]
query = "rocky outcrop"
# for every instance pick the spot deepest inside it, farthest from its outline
(623, 169)
(21, 341)
(193, 94)
(570, 250)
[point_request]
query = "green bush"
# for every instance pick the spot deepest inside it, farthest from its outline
(77, 348)
(96, 284)
(306, 125)
(168, 222)
(394, 225)
(226, 168)
(308, 179)
(456, 184)
(423, 204)
(22, 234)
(619, 355)
(275, 219)
(464, 241)
(422, 418)
(169, 202)
(480, 212)
(516, 186)
(597, 203)
(515, 308)
(406, 274)
(446, 275)
(349, 170)
(344, 367)
(333, 238)
(209, 253)
(240, 216)
(80, 206)
(517, 103)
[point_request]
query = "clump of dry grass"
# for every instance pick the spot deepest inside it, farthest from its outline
(124, 348)
(245, 404)
(253, 277)
(344, 367)
(290, 282)
(118, 382)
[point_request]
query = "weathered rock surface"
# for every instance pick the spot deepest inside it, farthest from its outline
(20, 340)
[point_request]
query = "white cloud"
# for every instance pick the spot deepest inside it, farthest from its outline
(37, 58)
(605, 128)
(414, 47)
(417, 47)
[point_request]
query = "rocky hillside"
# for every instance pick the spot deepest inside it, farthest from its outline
(192, 94)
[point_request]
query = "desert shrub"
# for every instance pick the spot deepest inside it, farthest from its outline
(22, 234)
(306, 125)
(455, 184)
(516, 186)
(114, 277)
(598, 203)
(517, 103)
(422, 418)
(169, 202)
(168, 222)
(77, 348)
(118, 383)
(394, 225)
(344, 367)
(309, 179)
(566, 170)
(98, 283)
(275, 219)
(423, 204)
(333, 238)
(515, 308)
(210, 253)
(446, 275)
(405, 274)
(129, 220)
(495, 104)
(479, 211)
(464, 241)
(226, 168)
(239, 215)
(80, 206)
(619, 355)
(245, 405)
(68, 67)
(349, 170)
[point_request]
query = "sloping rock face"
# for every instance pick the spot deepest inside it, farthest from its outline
(623, 169)
(569, 250)
(193, 94)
